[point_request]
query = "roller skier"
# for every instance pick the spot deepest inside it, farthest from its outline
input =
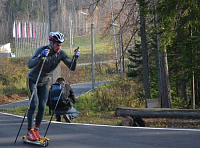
(41, 65)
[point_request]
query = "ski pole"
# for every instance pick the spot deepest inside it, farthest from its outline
(30, 98)
(66, 78)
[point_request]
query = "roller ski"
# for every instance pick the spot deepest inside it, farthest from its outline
(41, 142)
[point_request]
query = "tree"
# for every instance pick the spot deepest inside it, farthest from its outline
(142, 6)
(135, 68)
(178, 20)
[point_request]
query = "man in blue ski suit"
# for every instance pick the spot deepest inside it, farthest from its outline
(53, 54)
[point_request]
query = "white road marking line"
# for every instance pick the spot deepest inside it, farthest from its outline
(128, 127)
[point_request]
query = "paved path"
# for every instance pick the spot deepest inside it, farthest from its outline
(73, 135)
(79, 89)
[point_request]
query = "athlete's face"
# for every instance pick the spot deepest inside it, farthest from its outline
(56, 47)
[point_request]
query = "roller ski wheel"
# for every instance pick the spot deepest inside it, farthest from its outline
(42, 142)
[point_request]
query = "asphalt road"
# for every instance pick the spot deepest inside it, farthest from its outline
(71, 135)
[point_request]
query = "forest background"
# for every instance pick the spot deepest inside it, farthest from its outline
(159, 38)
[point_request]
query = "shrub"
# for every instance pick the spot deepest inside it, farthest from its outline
(180, 103)
(13, 73)
(123, 92)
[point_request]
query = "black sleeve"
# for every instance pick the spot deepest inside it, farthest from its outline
(71, 95)
(35, 59)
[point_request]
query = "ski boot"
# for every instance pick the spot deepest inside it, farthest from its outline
(33, 137)
(36, 130)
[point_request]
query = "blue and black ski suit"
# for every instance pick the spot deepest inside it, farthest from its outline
(41, 93)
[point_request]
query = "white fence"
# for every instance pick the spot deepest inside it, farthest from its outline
(29, 36)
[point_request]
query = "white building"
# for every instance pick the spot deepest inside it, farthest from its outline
(5, 51)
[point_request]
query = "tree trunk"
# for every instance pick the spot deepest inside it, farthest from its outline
(177, 88)
(165, 87)
(158, 49)
(193, 91)
(198, 92)
(183, 90)
(157, 113)
(144, 52)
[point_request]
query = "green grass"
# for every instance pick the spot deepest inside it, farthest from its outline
(88, 117)
(83, 40)
(103, 49)
(18, 111)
